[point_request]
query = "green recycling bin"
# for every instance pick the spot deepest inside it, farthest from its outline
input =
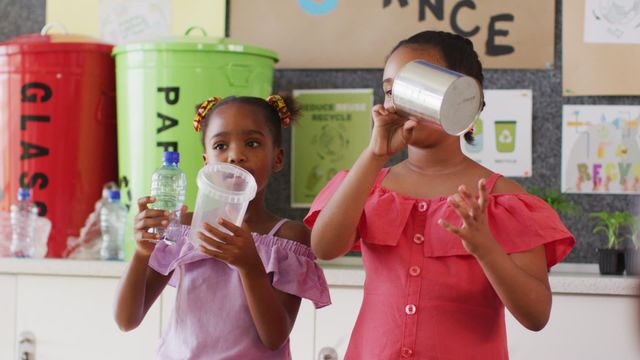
(158, 86)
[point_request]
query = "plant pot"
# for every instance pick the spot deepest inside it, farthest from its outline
(632, 261)
(611, 261)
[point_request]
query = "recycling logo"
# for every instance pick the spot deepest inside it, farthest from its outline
(505, 137)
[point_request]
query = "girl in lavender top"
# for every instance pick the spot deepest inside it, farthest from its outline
(237, 299)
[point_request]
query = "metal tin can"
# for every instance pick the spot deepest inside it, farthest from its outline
(434, 93)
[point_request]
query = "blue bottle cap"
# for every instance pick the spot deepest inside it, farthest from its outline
(114, 195)
(24, 193)
(171, 157)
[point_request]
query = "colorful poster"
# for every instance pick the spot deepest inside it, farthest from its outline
(600, 149)
(612, 21)
(359, 34)
(502, 133)
(334, 128)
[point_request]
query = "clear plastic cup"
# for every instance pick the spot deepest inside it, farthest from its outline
(224, 191)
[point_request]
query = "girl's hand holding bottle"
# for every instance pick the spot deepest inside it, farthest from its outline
(474, 232)
(237, 249)
(145, 220)
(391, 131)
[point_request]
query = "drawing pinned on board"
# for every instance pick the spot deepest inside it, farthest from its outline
(600, 150)
(612, 21)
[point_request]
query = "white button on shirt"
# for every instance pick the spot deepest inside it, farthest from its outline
(418, 238)
(410, 309)
(414, 271)
(406, 352)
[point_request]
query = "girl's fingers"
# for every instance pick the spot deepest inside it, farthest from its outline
(144, 201)
(213, 253)
(410, 124)
(465, 196)
(147, 236)
(236, 230)
(482, 193)
(472, 204)
(217, 233)
(452, 229)
(212, 243)
(461, 209)
(151, 214)
(379, 109)
(148, 223)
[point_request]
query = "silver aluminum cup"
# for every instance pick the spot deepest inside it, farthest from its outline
(431, 92)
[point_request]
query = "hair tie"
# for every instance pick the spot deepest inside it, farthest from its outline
(202, 111)
(283, 112)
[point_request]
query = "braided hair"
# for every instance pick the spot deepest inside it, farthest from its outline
(270, 113)
(458, 53)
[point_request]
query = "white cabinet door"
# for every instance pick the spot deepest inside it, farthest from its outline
(7, 316)
(335, 322)
(72, 318)
(581, 327)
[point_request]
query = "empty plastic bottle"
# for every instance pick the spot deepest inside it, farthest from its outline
(113, 217)
(169, 186)
(24, 214)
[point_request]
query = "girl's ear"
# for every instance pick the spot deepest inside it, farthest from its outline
(278, 160)
(204, 158)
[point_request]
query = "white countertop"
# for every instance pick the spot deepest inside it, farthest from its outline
(564, 278)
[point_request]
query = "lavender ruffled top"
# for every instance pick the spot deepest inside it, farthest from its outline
(211, 318)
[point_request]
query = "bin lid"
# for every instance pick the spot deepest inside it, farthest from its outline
(195, 43)
(45, 42)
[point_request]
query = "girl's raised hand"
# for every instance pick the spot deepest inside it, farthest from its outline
(237, 249)
(391, 132)
(144, 221)
(474, 232)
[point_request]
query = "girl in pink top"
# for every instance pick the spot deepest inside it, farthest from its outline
(236, 299)
(446, 244)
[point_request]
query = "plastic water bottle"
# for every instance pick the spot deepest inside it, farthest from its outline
(168, 186)
(24, 215)
(113, 217)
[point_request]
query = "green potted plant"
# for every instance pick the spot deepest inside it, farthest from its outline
(632, 253)
(556, 199)
(611, 258)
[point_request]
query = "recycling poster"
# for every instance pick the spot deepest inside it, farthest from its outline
(502, 133)
(333, 130)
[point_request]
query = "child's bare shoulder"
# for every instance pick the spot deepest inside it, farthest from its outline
(507, 186)
(295, 231)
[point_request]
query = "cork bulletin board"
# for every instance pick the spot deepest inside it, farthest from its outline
(339, 34)
(597, 68)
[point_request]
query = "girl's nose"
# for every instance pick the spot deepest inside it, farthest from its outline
(236, 156)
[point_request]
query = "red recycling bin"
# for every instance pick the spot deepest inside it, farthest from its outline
(58, 128)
